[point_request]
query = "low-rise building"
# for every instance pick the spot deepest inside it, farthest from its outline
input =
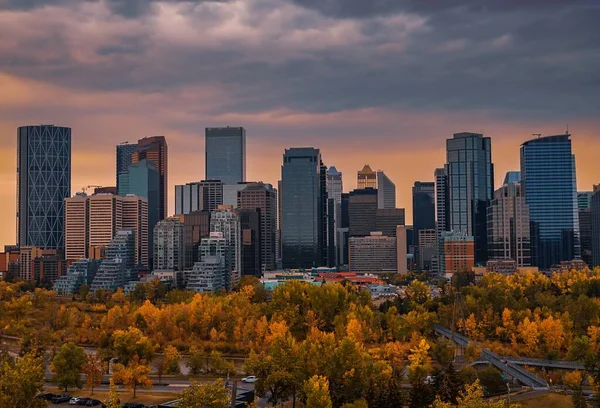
(79, 272)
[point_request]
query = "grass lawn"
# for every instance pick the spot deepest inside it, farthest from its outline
(146, 397)
(548, 401)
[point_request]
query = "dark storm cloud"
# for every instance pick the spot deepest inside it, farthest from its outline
(517, 57)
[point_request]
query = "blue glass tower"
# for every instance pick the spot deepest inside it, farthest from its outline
(303, 208)
(43, 183)
(470, 187)
(549, 184)
(226, 154)
(124, 155)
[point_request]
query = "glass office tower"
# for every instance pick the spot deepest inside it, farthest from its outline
(225, 154)
(303, 208)
(549, 184)
(124, 155)
(154, 149)
(423, 195)
(470, 187)
(43, 183)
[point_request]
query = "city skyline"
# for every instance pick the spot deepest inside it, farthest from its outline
(384, 83)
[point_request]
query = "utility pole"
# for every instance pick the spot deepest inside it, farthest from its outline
(233, 393)
(508, 387)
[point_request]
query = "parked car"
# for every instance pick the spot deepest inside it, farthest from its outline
(59, 399)
(82, 401)
(250, 379)
(46, 396)
(133, 405)
(91, 402)
(75, 401)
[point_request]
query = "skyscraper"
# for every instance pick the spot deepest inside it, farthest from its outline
(168, 245)
(387, 220)
(155, 149)
(143, 180)
(362, 212)
(335, 189)
(205, 195)
(124, 156)
(423, 198)
(263, 198)
(92, 222)
(250, 241)
(43, 183)
(210, 274)
(225, 154)
(508, 226)
(196, 225)
(595, 225)
(303, 208)
(386, 192)
(549, 185)
(225, 220)
(366, 178)
(442, 218)
(470, 187)
(584, 201)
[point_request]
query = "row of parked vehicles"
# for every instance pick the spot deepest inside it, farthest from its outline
(83, 401)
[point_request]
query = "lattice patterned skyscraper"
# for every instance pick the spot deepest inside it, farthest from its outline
(43, 183)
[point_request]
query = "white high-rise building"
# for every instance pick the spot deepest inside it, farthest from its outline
(225, 220)
(386, 192)
(211, 273)
(168, 245)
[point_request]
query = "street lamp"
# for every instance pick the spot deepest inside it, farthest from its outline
(508, 387)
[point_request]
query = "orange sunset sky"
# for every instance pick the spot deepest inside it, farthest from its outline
(382, 84)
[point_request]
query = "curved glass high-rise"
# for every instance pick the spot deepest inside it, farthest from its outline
(43, 183)
(549, 185)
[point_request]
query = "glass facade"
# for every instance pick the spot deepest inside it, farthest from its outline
(303, 208)
(549, 185)
(423, 195)
(225, 154)
(386, 192)
(43, 183)
(470, 187)
(154, 149)
(595, 226)
(124, 155)
(362, 212)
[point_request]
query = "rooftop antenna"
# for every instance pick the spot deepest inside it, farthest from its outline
(538, 135)
(567, 131)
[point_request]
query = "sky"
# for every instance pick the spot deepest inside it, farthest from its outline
(379, 82)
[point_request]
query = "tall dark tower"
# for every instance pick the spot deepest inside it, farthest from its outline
(154, 148)
(470, 187)
(43, 183)
(550, 188)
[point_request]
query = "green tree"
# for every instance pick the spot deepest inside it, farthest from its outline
(574, 381)
(20, 381)
(447, 384)
(196, 360)
(214, 395)
(127, 343)
(93, 370)
(361, 403)
(67, 366)
(491, 381)
(133, 375)
(316, 390)
(219, 365)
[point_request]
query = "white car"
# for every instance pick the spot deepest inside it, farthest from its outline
(74, 401)
(250, 379)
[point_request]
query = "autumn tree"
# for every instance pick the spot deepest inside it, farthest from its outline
(67, 366)
(219, 365)
(113, 400)
(418, 370)
(171, 360)
(93, 370)
(574, 380)
(197, 395)
(316, 390)
(134, 374)
(471, 397)
(20, 380)
(125, 344)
